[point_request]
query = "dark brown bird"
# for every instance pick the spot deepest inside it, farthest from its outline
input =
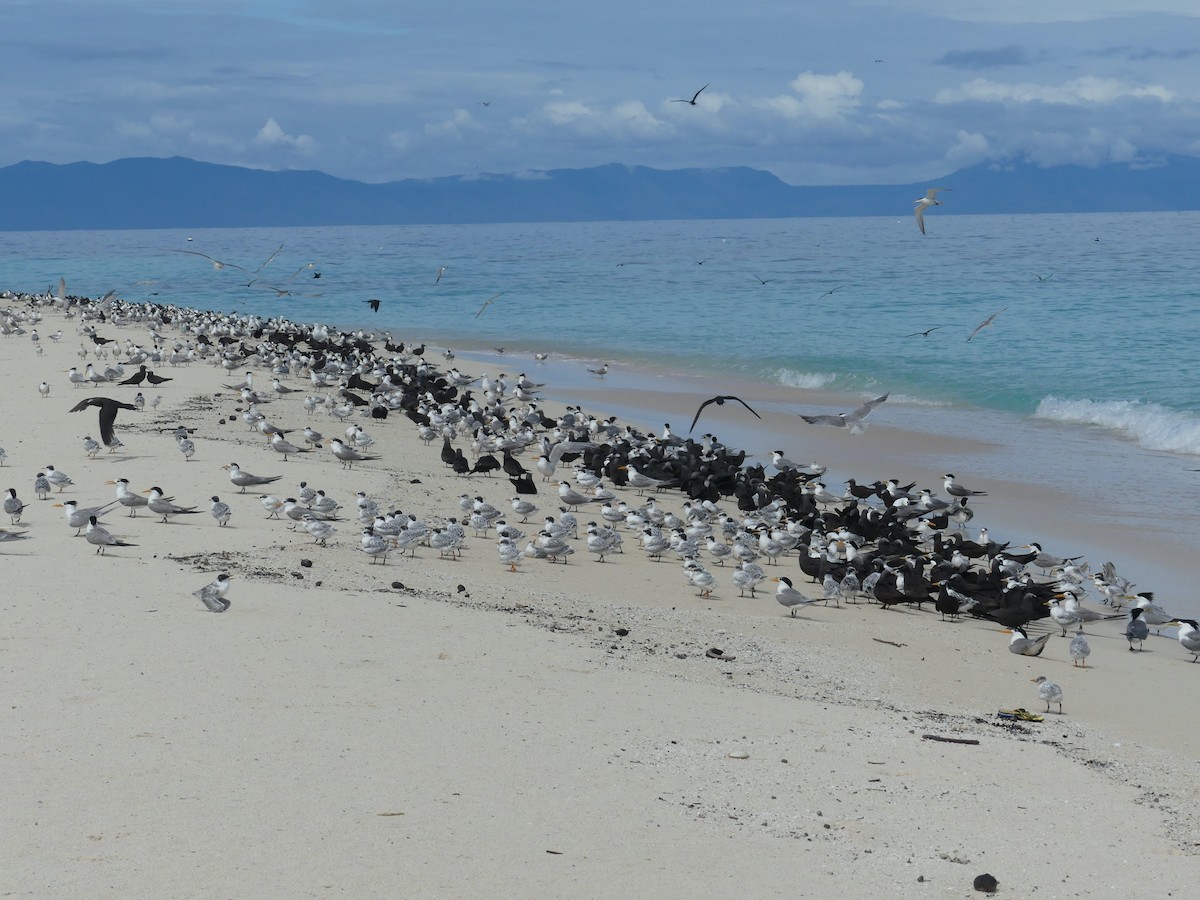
(720, 401)
(108, 414)
(692, 102)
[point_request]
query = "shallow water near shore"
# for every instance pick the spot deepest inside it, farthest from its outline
(1080, 388)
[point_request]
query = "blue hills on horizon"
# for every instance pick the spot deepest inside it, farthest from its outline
(176, 192)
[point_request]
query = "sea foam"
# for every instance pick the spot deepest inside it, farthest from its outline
(807, 380)
(1152, 426)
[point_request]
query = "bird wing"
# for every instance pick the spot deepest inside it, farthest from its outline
(861, 413)
(699, 92)
(837, 421)
(985, 323)
(486, 304)
(919, 212)
(696, 418)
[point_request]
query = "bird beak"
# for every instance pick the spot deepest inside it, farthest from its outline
(58, 506)
(147, 490)
(1006, 631)
(110, 482)
(774, 579)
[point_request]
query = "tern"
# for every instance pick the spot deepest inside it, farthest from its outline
(789, 596)
(923, 203)
(213, 595)
(852, 420)
(99, 535)
(986, 323)
(244, 480)
(1048, 691)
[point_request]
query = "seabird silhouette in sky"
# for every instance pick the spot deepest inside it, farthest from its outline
(692, 102)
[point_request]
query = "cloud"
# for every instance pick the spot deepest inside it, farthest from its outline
(1141, 54)
(1012, 55)
(272, 135)
(1080, 91)
(629, 117)
(970, 148)
(817, 97)
(454, 127)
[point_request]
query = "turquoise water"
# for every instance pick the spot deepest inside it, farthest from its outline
(1085, 381)
(1106, 340)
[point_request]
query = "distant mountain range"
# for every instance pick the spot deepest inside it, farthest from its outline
(184, 193)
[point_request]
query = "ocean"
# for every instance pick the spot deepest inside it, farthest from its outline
(1085, 377)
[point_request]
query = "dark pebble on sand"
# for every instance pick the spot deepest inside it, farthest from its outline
(221, 422)
(986, 883)
(306, 563)
(415, 481)
(621, 632)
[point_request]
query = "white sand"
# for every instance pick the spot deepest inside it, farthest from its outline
(352, 739)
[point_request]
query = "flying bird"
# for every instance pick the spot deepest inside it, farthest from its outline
(441, 272)
(830, 291)
(923, 203)
(108, 414)
(374, 304)
(926, 332)
(216, 263)
(851, 420)
(487, 303)
(720, 401)
(985, 323)
(1042, 278)
(692, 102)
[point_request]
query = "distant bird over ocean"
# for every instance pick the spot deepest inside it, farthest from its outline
(374, 304)
(488, 302)
(986, 323)
(923, 203)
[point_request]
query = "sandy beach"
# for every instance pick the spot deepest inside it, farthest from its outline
(443, 727)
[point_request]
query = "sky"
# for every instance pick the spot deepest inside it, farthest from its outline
(835, 92)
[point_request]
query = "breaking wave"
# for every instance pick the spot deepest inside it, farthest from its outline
(1150, 425)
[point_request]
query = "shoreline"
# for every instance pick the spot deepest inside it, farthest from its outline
(332, 731)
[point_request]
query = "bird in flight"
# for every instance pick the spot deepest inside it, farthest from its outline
(374, 304)
(108, 414)
(692, 102)
(830, 291)
(926, 332)
(851, 420)
(985, 323)
(1042, 278)
(216, 263)
(441, 272)
(487, 303)
(923, 203)
(720, 401)
(761, 281)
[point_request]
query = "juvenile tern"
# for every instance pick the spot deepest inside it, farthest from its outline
(1048, 691)
(1079, 650)
(213, 595)
(220, 510)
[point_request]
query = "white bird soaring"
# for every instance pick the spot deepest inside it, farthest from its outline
(923, 203)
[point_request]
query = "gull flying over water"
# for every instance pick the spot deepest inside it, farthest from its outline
(852, 420)
(923, 203)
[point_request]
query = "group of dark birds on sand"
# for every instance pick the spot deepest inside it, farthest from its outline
(892, 543)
